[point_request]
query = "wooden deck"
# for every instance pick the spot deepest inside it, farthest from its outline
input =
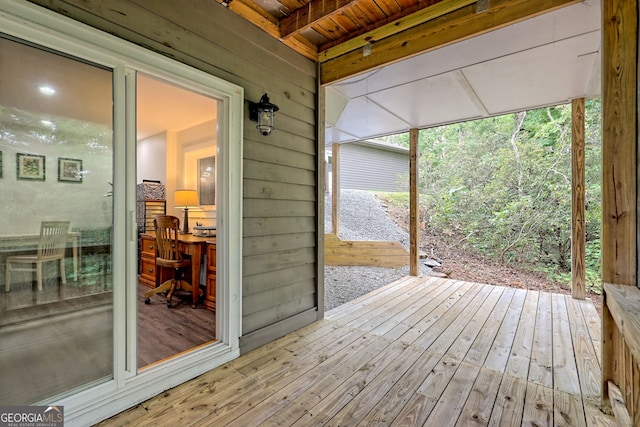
(419, 351)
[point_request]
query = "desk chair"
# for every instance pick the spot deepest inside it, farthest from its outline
(168, 256)
(51, 247)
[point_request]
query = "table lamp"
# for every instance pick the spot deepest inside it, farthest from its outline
(185, 199)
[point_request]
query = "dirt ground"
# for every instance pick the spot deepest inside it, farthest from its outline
(458, 263)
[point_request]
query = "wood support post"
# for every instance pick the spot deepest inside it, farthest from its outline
(578, 234)
(414, 208)
(619, 170)
(335, 189)
(321, 189)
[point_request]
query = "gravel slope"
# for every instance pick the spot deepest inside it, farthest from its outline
(362, 217)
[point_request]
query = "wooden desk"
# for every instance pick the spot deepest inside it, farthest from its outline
(189, 244)
(28, 241)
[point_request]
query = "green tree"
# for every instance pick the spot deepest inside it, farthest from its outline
(502, 185)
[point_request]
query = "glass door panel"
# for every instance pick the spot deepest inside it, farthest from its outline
(56, 169)
(177, 133)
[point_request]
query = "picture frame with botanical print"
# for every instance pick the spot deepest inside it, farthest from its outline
(30, 167)
(69, 170)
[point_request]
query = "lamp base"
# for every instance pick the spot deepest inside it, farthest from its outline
(185, 222)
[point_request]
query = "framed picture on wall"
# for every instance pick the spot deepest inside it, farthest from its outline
(207, 181)
(30, 167)
(69, 170)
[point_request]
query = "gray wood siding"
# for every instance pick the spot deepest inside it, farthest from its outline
(280, 269)
(368, 168)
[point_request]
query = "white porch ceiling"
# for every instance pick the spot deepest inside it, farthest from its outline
(546, 60)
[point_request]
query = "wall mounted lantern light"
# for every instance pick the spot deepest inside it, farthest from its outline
(262, 112)
(185, 199)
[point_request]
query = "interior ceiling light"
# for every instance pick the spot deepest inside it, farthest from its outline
(47, 90)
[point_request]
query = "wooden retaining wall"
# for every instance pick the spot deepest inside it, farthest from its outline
(364, 252)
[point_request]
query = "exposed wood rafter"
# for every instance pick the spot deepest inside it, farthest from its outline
(395, 26)
(314, 10)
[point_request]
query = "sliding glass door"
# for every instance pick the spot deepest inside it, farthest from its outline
(56, 175)
(82, 124)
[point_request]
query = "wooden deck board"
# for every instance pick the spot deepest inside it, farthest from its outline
(354, 309)
(594, 325)
(411, 306)
(520, 357)
(456, 326)
(428, 306)
(430, 326)
(317, 381)
(501, 348)
(585, 352)
(368, 399)
(477, 408)
(538, 406)
(541, 367)
(419, 351)
(509, 405)
(333, 403)
(565, 372)
(568, 410)
(482, 345)
(394, 400)
(451, 401)
(459, 349)
(296, 403)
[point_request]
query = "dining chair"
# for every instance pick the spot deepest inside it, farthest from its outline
(167, 228)
(51, 247)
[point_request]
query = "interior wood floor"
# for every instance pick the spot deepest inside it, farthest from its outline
(419, 351)
(61, 338)
(164, 332)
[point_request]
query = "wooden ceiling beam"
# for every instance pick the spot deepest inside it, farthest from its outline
(313, 11)
(409, 17)
(303, 47)
(458, 25)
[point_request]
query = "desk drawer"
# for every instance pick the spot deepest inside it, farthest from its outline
(148, 269)
(148, 247)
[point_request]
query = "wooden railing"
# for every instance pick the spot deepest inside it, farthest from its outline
(621, 352)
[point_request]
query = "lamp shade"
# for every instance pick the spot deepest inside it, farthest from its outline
(186, 199)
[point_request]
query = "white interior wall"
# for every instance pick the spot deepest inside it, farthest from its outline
(172, 158)
(26, 203)
(151, 155)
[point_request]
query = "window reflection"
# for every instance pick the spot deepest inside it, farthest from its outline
(56, 165)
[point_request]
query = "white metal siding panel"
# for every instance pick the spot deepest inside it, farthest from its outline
(369, 168)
